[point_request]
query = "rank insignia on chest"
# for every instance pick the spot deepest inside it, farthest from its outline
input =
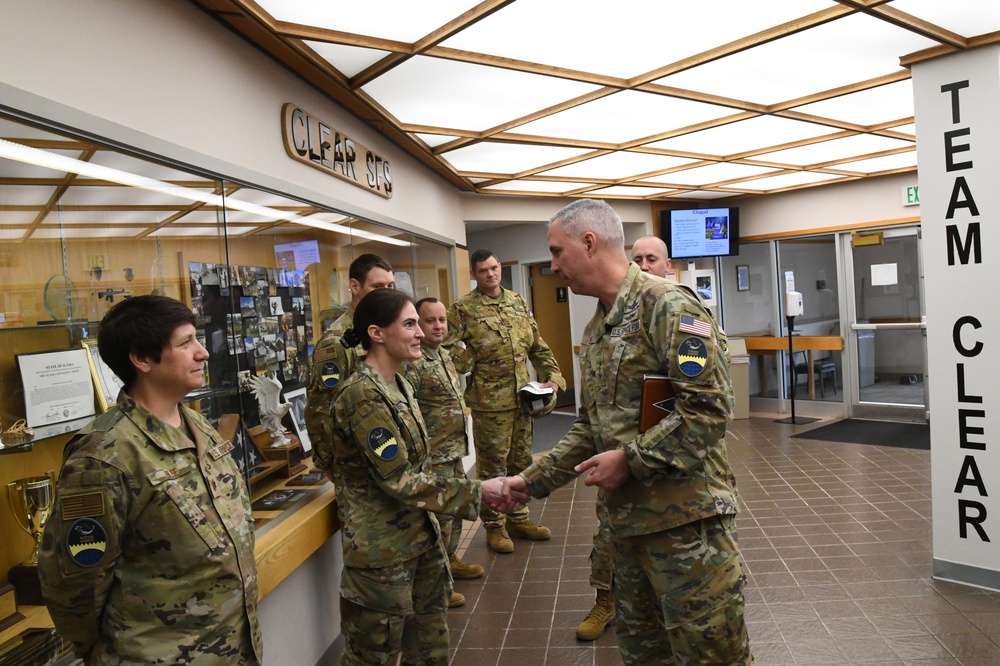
(695, 326)
(383, 443)
(86, 541)
(692, 354)
(330, 374)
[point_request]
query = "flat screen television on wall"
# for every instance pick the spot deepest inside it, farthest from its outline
(701, 232)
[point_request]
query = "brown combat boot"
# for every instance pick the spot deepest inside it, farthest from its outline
(498, 541)
(457, 599)
(598, 618)
(528, 530)
(462, 571)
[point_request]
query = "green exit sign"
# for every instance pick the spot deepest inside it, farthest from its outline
(911, 195)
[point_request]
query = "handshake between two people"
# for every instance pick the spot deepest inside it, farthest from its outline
(607, 470)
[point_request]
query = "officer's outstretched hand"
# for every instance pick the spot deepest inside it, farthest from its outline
(501, 497)
(608, 470)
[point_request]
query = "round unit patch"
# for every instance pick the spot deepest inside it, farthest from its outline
(87, 541)
(383, 443)
(330, 374)
(692, 356)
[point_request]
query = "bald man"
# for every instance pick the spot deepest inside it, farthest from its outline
(650, 252)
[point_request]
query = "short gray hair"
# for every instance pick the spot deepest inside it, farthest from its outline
(592, 215)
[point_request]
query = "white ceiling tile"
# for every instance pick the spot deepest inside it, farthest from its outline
(713, 173)
(889, 162)
(625, 38)
(853, 48)
(445, 93)
(618, 165)
(78, 232)
(966, 17)
(507, 158)
(401, 20)
(744, 136)
(348, 60)
(787, 180)
(836, 149)
(537, 186)
(703, 194)
(868, 107)
(434, 140)
(624, 116)
(628, 191)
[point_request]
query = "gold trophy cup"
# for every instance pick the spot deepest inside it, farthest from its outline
(31, 502)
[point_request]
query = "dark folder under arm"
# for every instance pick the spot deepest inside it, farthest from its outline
(656, 402)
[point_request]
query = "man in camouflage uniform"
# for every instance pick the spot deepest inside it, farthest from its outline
(669, 494)
(500, 337)
(650, 254)
(333, 362)
(439, 394)
(148, 556)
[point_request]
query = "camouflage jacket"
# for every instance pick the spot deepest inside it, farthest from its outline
(331, 364)
(680, 471)
(500, 337)
(148, 556)
(439, 394)
(381, 464)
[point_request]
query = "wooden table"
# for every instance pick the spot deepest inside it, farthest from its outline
(769, 344)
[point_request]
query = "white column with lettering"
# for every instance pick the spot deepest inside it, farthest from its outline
(957, 102)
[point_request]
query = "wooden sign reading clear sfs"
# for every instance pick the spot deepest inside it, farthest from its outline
(308, 139)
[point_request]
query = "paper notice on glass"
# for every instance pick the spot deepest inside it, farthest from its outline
(536, 388)
(57, 386)
(884, 275)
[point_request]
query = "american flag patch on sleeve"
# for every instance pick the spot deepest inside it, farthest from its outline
(695, 326)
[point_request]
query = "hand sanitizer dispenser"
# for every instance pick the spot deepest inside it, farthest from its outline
(793, 304)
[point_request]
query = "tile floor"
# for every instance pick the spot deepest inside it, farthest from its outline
(837, 543)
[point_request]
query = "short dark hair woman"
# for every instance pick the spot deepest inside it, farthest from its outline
(395, 585)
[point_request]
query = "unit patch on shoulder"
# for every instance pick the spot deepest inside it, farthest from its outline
(330, 374)
(87, 542)
(383, 443)
(692, 354)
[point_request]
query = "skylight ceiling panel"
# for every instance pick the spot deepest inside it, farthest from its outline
(624, 116)
(887, 163)
(181, 230)
(551, 187)
(78, 232)
(263, 198)
(208, 218)
(445, 93)
(713, 173)
(11, 234)
(625, 38)
(507, 158)
(348, 60)
(867, 107)
(836, 149)
(17, 216)
(629, 191)
(401, 20)
(25, 195)
(328, 217)
(106, 217)
(744, 136)
(434, 140)
(618, 165)
(99, 195)
(967, 18)
(703, 194)
(134, 165)
(854, 48)
(786, 180)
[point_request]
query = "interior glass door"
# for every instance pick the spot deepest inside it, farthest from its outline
(887, 340)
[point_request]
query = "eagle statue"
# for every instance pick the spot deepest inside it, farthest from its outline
(267, 390)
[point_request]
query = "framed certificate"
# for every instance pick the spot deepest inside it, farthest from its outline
(106, 382)
(298, 414)
(57, 386)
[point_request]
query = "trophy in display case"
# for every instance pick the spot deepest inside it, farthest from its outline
(31, 501)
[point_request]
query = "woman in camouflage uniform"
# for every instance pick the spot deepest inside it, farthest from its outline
(395, 585)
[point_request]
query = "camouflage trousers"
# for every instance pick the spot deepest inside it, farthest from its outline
(401, 608)
(679, 596)
(503, 448)
(451, 527)
(602, 567)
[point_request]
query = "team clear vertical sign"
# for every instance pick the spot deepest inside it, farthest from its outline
(957, 104)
